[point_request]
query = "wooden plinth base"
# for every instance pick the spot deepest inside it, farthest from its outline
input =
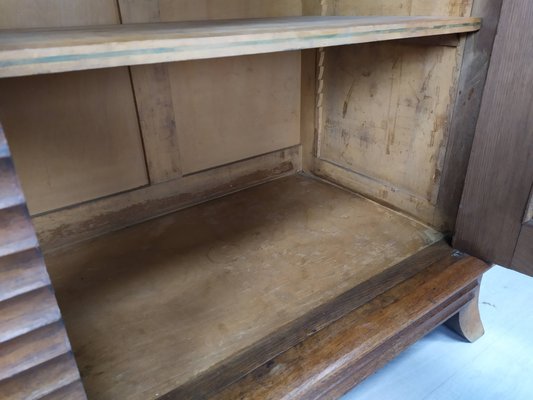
(335, 359)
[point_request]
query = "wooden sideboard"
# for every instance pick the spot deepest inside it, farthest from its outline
(256, 203)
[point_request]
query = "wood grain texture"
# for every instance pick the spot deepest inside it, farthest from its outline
(42, 380)
(74, 391)
(295, 332)
(386, 111)
(234, 108)
(192, 113)
(22, 272)
(31, 332)
(473, 75)
(500, 172)
(467, 322)
(48, 51)
(27, 312)
(181, 292)
(74, 137)
(68, 129)
(333, 360)
(32, 349)
(11, 193)
(400, 7)
(151, 84)
(97, 217)
(16, 231)
(523, 254)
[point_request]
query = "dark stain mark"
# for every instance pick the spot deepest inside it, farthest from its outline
(436, 175)
(119, 219)
(471, 93)
(347, 100)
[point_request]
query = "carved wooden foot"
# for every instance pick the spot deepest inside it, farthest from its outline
(467, 322)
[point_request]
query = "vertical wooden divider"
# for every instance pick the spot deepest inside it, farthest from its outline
(151, 87)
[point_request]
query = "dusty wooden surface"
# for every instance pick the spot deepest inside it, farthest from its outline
(201, 114)
(48, 51)
(84, 126)
(296, 331)
(35, 354)
(338, 357)
(124, 209)
(390, 102)
(150, 307)
(500, 172)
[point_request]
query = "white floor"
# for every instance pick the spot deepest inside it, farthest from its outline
(499, 366)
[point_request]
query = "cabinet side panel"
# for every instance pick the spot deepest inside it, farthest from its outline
(475, 65)
(387, 109)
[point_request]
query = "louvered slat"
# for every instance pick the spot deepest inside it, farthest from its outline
(35, 355)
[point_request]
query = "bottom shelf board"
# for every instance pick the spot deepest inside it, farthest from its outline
(155, 306)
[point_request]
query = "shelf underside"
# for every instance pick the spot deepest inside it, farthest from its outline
(38, 51)
(159, 305)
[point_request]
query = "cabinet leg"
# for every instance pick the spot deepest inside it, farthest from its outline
(467, 322)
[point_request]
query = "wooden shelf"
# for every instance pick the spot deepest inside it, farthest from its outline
(39, 51)
(228, 284)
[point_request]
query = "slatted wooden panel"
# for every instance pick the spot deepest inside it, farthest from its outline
(36, 360)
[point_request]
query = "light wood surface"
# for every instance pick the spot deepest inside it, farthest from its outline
(75, 136)
(467, 322)
(402, 123)
(252, 102)
(391, 102)
(47, 51)
(150, 307)
(110, 213)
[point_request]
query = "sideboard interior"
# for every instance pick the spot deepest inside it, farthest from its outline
(190, 210)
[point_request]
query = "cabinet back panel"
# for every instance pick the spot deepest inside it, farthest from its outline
(74, 136)
(222, 110)
(104, 141)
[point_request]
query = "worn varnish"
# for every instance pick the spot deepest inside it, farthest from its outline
(35, 355)
(332, 361)
(151, 307)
